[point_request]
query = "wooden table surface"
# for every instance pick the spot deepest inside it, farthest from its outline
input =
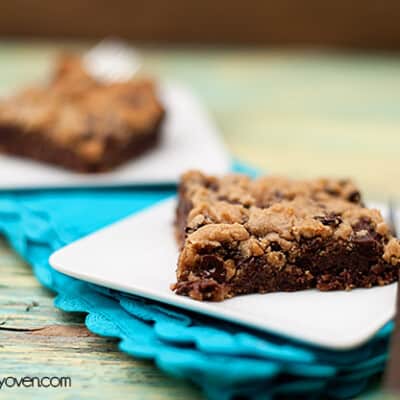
(287, 112)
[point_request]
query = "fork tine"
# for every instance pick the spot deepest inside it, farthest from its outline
(392, 217)
(391, 383)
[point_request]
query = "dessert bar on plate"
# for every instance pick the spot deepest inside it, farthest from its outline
(80, 123)
(240, 236)
(138, 255)
(101, 135)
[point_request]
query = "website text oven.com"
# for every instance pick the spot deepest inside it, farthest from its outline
(44, 382)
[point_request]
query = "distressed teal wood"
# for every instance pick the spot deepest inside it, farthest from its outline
(36, 339)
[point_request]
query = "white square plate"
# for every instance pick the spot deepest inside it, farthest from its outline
(138, 255)
(190, 140)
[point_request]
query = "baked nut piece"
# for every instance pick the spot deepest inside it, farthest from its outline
(239, 236)
(80, 123)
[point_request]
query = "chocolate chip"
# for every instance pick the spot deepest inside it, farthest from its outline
(212, 267)
(275, 246)
(354, 197)
(363, 224)
(278, 195)
(366, 244)
(230, 201)
(212, 186)
(330, 219)
(364, 240)
(332, 192)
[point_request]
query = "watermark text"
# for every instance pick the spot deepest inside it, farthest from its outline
(35, 382)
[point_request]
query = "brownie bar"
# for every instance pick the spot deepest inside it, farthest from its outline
(79, 123)
(240, 236)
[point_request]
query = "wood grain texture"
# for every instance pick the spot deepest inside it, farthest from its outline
(40, 340)
(303, 114)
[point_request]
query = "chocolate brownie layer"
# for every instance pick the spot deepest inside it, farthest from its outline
(79, 123)
(272, 234)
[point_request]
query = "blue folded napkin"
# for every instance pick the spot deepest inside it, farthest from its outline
(226, 360)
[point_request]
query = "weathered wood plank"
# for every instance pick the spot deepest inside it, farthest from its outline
(94, 365)
(43, 341)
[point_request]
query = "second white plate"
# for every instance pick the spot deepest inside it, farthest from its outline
(190, 141)
(138, 255)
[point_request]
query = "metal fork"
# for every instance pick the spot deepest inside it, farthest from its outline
(112, 61)
(391, 383)
(392, 217)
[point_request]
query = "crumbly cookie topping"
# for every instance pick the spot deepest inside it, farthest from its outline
(235, 225)
(77, 111)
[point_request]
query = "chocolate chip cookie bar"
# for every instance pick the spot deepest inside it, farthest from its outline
(270, 234)
(80, 123)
